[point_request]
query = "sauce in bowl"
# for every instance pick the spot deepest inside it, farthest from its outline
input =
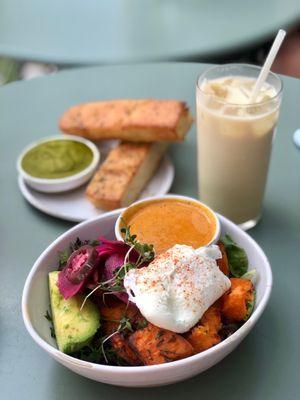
(171, 220)
(56, 159)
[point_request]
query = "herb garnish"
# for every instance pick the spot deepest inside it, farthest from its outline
(228, 329)
(146, 251)
(49, 318)
(93, 353)
(250, 306)
(141, 324)
(250, 275)
(237, 257)
(63, 257)
(79, 243)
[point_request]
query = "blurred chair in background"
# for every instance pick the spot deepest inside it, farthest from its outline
(288, 59)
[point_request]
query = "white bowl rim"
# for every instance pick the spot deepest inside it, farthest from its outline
(67, 179)
(66, 359)
(171, 196)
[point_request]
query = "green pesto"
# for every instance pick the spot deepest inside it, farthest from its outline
(57, 159)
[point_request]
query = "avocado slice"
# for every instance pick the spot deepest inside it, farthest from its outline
(74, 329)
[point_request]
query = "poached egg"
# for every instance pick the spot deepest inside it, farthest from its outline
(178, 286)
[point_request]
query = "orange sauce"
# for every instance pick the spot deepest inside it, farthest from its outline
(167, 222)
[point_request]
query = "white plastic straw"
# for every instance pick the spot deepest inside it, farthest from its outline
(267, 65)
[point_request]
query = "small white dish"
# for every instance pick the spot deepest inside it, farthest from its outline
(35, 302)
(60, 184)
(74, 206)
(216, 236)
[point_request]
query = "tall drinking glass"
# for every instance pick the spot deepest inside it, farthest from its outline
(235, 139)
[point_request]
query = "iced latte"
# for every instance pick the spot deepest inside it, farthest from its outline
(235, 139)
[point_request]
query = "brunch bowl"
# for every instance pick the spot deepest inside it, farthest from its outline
(35, 303)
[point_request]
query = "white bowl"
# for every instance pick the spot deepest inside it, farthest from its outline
(168, 196)
(60, 184)
(35, 302)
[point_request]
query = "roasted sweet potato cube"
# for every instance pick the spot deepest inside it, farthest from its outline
(111, 316)
(235, 303)
(113, 312)
(123, 350)
(223, 262)
(155, 345)
(205, 334)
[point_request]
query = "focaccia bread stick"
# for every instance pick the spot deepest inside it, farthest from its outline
(146, 120)
(123, 175)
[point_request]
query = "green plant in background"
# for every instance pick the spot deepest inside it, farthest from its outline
(9, 70)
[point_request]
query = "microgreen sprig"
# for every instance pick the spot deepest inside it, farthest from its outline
(124, 326)
(146, 251)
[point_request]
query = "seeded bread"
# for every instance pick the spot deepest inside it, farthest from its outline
(123, 175)
(144, 120)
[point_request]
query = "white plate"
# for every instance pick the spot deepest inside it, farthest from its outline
(74, 206)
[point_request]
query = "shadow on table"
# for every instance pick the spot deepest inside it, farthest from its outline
(223, 381)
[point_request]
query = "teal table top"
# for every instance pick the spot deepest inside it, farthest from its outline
(93, 31)
(266, 365)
